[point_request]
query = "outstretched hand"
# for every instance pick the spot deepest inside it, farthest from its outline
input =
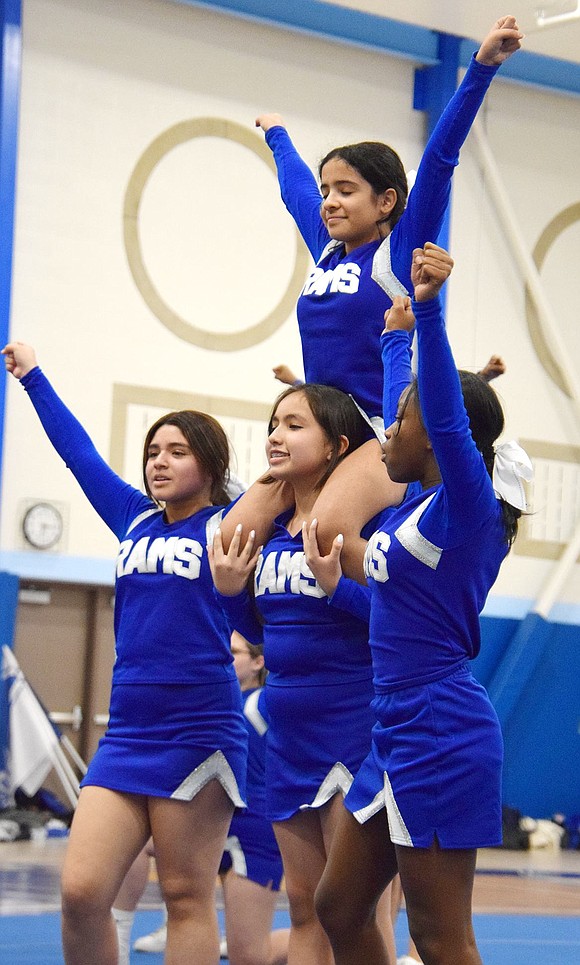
(502, 41)
(495, 367)
(19, 359)
(231, 570)
(266, 121)
(326, 570)
(400, 315)
(430, 269)
(284, 374)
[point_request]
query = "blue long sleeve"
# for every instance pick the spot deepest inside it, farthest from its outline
(467, 485)
(429, 197)
(353, 598)
(299, 190)
(397, 374)
(116, 502)
(241, 615)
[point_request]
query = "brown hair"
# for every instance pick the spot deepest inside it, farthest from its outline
(207, 441)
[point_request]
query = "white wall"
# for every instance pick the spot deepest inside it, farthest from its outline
(100, 82)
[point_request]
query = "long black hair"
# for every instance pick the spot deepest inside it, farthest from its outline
(486, 422)
(378, 164)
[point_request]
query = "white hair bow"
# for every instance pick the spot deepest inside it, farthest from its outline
(512, 465)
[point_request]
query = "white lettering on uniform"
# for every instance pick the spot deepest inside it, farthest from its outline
(287, 573)
(375, 564)
(175, 555)
(344, 278)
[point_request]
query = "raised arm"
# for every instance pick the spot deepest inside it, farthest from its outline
(469, 490)
(298, 185)
(429, 197)
(116, 502)
(397, 354)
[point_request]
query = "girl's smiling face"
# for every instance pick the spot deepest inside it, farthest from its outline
(350, 208)
(297, 446)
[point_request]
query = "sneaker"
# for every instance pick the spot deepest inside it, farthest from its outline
(223, 948)
(154, 942)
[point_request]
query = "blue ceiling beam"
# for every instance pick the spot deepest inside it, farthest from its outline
(330, 22)
(343, 25)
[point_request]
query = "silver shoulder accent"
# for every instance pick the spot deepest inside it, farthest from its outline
(253, 714)
(215, 766)
(337, 780)
(409, 536)
(139, 519)
(332, 244)
(213, 523)
(383, 273)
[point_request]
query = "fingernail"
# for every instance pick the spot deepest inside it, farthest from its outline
(239, 528)
(340, 538)
(252, 534)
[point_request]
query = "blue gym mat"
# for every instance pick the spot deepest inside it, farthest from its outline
(502, 939)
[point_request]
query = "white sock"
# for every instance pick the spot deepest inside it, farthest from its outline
(124, 922)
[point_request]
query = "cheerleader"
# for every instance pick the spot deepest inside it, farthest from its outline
(361, 227)
(172, 763)
(319, 685)
(429, 793)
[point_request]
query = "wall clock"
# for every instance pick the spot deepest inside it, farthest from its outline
(42, 525)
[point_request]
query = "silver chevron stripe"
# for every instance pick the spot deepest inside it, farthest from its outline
(409, 536)
(338, 779)
(215, 766)
(237, 855)
(253, 714)
(369, 811)
(397, 827)
(139, 519)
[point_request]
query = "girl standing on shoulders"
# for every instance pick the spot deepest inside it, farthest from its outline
(172, 763)
(361, 227)
(429, 793)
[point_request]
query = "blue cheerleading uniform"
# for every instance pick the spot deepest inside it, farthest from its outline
(344, 300)
(251, 847)
(436, 756)
(319, 685)
(175, 718)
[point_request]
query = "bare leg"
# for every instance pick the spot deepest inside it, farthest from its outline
(396, 904)
(386, 925)
(189, 838)
(438, 887)
(108, 832)
(358, 489)
(362, 863)
(279, 940)
(303, 841)
(134, 883)
(249, 911)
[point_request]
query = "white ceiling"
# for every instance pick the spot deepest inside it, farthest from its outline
(472, 18)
